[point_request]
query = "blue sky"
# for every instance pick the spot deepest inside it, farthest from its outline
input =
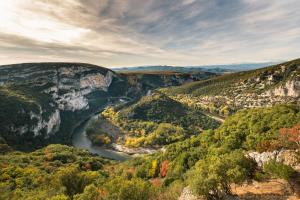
(149, 32)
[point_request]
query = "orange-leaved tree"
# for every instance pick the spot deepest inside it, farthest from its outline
(291, 135)
(164, 168)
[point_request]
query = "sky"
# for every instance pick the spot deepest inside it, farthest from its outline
(149, 32)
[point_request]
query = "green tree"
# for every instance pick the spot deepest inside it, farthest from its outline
(212, 176)
(73, 181)
(60, 197)
(278, 170)
(90, 193)
(122, 189)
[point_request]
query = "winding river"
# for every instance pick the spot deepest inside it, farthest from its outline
(80, 140)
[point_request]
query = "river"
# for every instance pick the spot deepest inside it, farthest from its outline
(80, 140)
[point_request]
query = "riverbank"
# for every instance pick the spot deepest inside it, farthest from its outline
(114, 132)
(114, 151)
(80, 140)
(134, 151)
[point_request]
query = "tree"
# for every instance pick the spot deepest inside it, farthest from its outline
(291, 135)
(212, 176)
(279, 170)
(164, 168)
(153, 171)
(122, 189)
(73, 180)
(90, 193)
(60, 197)
(4, 148)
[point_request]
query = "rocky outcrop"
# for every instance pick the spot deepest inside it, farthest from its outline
(287, 157)
(133, 151)
(51, 124)
(187, 194)
(289, 89)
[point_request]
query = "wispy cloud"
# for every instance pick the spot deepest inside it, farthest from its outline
(139, 32)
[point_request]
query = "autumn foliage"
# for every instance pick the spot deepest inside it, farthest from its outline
(291, 135)
(164, 168)
(268, 145)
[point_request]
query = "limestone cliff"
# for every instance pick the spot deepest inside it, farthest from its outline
(290, 89)
(46, 92)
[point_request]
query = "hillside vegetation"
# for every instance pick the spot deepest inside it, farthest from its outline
(156, 120)
(278, 84)
(15, 105)
(209, 163)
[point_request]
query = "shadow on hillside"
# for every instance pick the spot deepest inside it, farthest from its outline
(294, 181)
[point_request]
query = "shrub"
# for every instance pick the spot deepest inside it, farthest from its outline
(122, 189)
(60, 197)
(291, 135)
(278, 170)
(212, 176)
(90, 193)
(164, 168)
(4, 148)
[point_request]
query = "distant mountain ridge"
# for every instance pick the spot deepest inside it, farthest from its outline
(220, 69)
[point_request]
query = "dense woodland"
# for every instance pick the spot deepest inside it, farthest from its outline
(207, 162)
(153, 121)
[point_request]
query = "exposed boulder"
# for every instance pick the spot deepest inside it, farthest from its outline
(289, 89)
(287, 157)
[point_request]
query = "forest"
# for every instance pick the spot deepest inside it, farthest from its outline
(209, 163)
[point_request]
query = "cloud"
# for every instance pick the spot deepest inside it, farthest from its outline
(141, 32)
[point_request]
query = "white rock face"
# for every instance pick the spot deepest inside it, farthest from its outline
(68, 85)
(290, 89)
(75, 89)
(261, 158)
(287, 157)
(96, 81)
(52, 124)
(72, 101)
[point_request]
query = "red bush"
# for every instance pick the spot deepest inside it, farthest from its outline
(164, 168)
(291, 135)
